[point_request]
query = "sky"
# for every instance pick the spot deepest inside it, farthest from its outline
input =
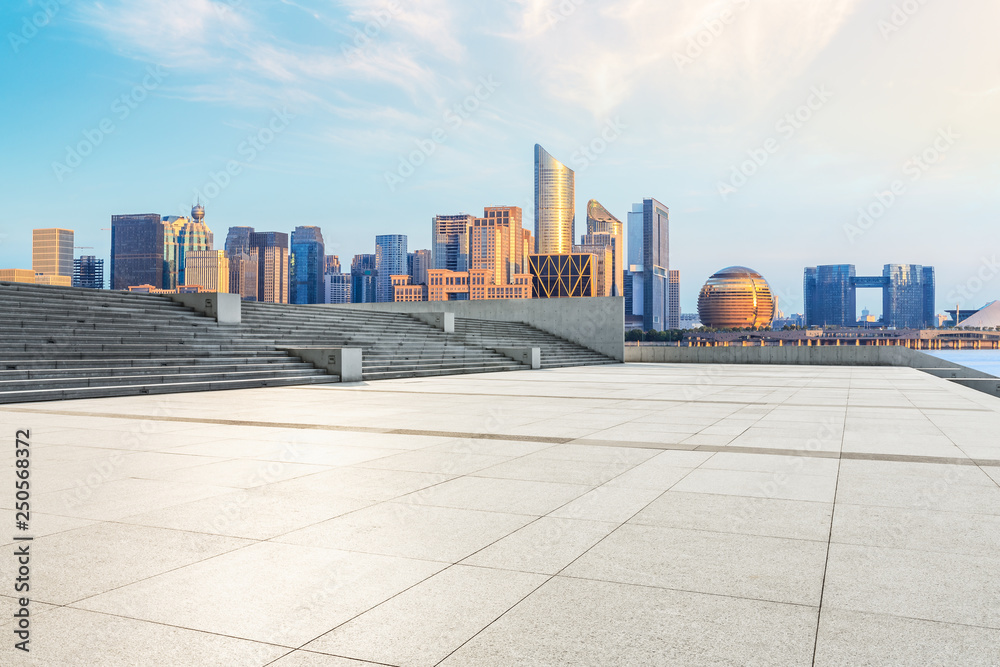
(780, 134)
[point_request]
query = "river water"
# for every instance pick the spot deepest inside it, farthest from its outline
(987, 361)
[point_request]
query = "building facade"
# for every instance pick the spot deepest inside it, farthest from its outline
(337, 288)
(599, 247)
(908, 293)
(602, 226)
(450, 236)
(420, 264)
(208, 269)
(270, 252)
(674, 300)
(137, 252)
(306, 266)
(88, 272)
(649, 263)
(561, 275)
(52, 251)
(390, 260)
(364, 278)
(555, 205)
(829, 293)
(472, 285)
(183, 235)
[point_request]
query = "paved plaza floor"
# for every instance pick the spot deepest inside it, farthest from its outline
(620, 515)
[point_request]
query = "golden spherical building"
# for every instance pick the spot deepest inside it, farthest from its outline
(736, 298)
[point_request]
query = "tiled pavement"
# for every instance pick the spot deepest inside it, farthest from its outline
(636, 514)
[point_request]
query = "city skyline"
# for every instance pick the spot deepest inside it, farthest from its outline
(313, 128)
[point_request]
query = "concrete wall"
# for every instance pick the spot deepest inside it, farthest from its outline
(596, 323)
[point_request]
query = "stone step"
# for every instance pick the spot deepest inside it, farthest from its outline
(102, 380)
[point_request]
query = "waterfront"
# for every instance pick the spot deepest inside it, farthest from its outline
(987, 361)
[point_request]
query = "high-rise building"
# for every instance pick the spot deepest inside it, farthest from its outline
(906, 296)
(183, 235)
(364, 278)
(471, 285)
(555, 197)
(270, 250)
(238, 240)
(243, 277)
(487, 251)
(332, 264)
(88, 272)
(307, 265)
(830, 295)
(649, 263)
(508, 219)
(209, 269)
(52, 251)
(420, 265)
(674, 300)
(137, 250)
(450, 236)
(600, 246)
(601, 222)
(337, 288)
(390, 260)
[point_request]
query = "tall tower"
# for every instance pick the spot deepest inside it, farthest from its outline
(390, 260)
(555, 214)
(270, 250)
(137, 250)
(307, 265)
(600, 223)
(52, 251)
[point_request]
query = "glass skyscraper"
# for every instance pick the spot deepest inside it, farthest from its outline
(270, 250)
(601, 222)
(137, 251)
(307, 265)
(830, 295)
(555, 212)
(363, 279)
(390, 260)
(908, 292)
(450, 238)
(649, 263)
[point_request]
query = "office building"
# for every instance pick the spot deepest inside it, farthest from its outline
(561, 275)
(238, 240)
(390, 260)
(601, 248)
(337, 288)
(509, 220)
(649, 264)
(555, 202)
(332, 264)
(243, 277)
(363, 279)
(183, 235)
(29, 276)
(737, 298)
(472, 285)
(270, 251)
(208, 269)
(602, 226)
(88, 272)
(450, 236)
(674, 300)
(52, 252)
(908, 292)
(306, 265)
(419, 265)
(137, 250)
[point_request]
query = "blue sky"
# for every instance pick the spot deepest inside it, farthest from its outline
(764, 125)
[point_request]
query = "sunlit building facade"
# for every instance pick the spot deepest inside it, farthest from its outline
(181, 236)
(270, 251)
(602, 226)
(450, 237)
(208, 269)
(736, 298)
(52, 251)
(337, 288)
(555, 207)
(472, 285)
(601, 248)
(674, 300)
(561, 275)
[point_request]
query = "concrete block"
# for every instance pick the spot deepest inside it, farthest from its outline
(225, 308)
(342, 361)
(443, 321)
(532, 356)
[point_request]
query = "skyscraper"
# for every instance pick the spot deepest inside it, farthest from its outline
(674, 300)
(908, 291)
(649, 263)
(830, 295)
(88, 272)
(307, 265)
(137, 250)
(450, 236)
(555, 196)
(243, 279)
(420, 265)
(363, 279)
(601, 248)
(337, 287)
(390, 260)
(509, 220)
(208, 269)
(183, 235)
(270, 250)
(601, 222)
(907, 295)
(52, 251)
(332, 264)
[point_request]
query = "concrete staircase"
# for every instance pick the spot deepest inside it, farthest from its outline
(556, 352)
(64, 342)
(394, 345)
